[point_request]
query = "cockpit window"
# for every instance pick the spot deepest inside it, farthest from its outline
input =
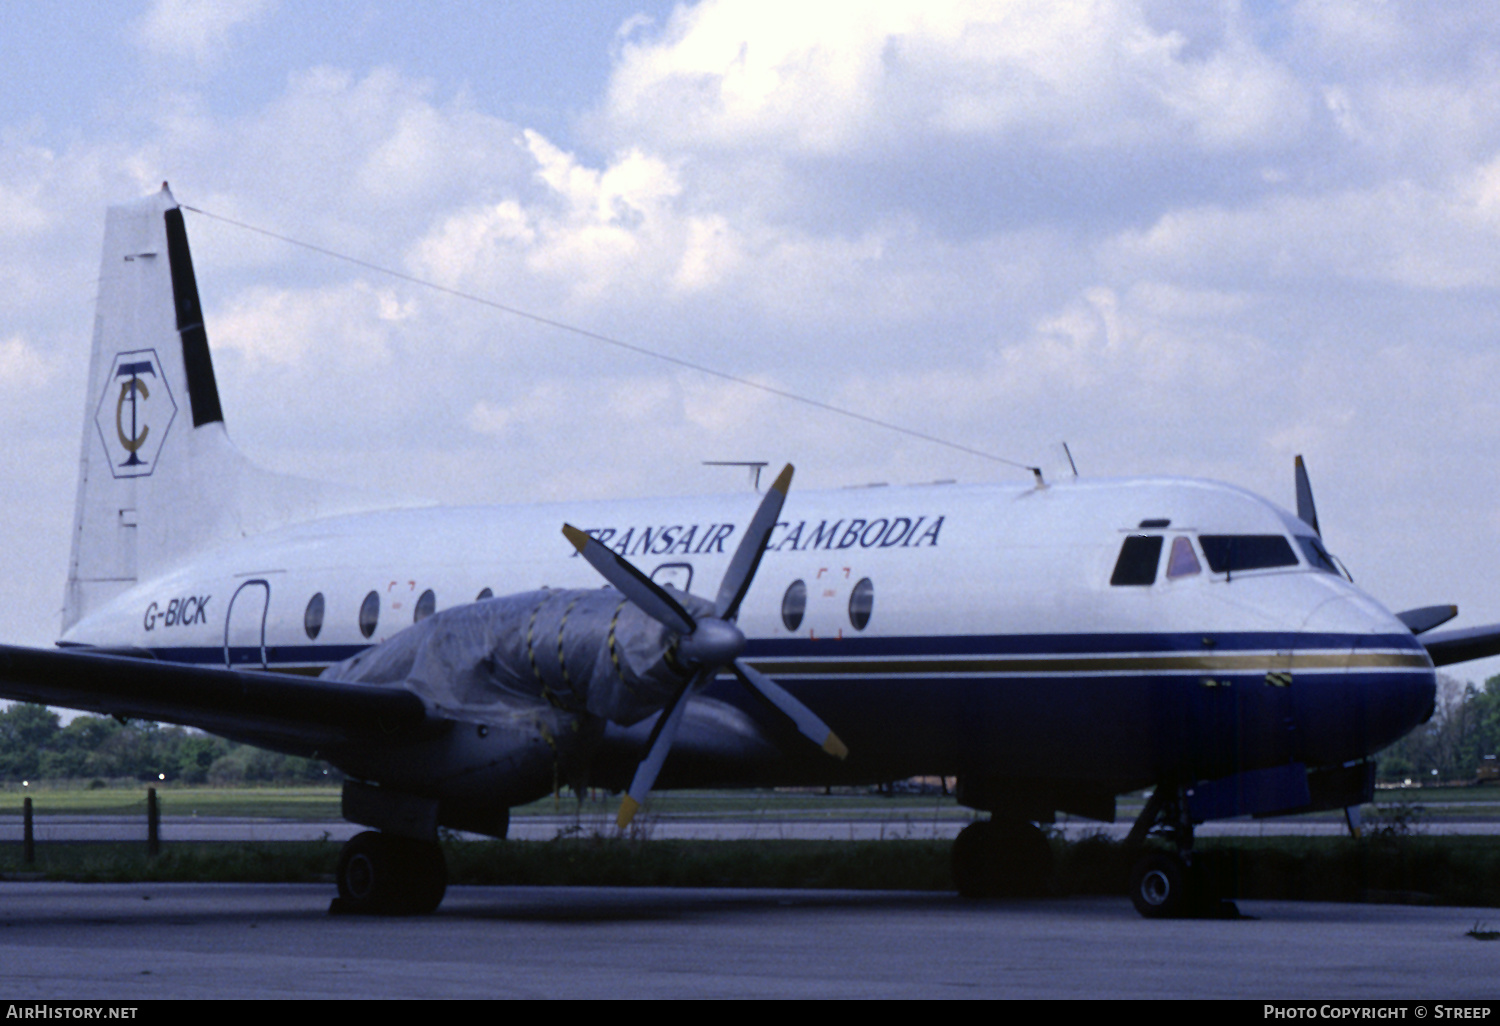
(1138, 560)
(1183, 562)
(1317, 556)
(1231, 553)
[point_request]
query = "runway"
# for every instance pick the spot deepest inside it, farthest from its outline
(152, 941)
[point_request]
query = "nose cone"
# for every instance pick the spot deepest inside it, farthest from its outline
(1370, 681)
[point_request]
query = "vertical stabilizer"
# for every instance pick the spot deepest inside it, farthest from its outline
(158, 478)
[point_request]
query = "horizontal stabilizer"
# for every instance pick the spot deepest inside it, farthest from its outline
(274, 710)
(1447, 647)
(1425, 619)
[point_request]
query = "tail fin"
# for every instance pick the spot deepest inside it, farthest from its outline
(158, 478)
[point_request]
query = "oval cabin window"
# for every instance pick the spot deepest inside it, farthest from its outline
(426, 606)
(312, 620)
(861, 604)
(793, 605)
(369, 614)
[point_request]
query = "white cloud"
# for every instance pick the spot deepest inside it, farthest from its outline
(21, 210)
(196, 30)
(341, 326)
(1397, 232)
(875, 77)
(21, 366)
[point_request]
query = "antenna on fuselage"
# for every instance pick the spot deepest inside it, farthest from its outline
(755, 467)
(1069, 454)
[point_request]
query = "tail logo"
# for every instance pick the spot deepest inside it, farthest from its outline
(136, 399)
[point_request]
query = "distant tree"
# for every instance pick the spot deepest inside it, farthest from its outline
(26, 731)
(1465, 726)
(1487, 718)
(34, 745)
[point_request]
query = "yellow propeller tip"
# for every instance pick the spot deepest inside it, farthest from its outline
(783, 482)
(628, 809)
(574, 535)
(834, 747)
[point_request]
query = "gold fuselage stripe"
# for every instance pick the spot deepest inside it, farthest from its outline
(1256, 662)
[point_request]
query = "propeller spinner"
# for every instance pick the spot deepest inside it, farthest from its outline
(705, 644)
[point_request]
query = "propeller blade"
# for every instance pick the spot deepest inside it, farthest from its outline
(752, 546)
(1306, 511)
(1425, 619)
(807, 721)
(656, 754)
(634, 585)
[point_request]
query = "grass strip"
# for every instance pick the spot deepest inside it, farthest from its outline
(1437, 870)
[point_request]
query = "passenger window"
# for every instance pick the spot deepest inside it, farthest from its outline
(1183, 562)
(794, 604)
(861, 604)
(1139, 557)
(312, 620)
(426, 606)
(369, 614)
(1228, 553)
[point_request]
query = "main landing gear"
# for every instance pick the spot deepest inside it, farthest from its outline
(1177, 883)
(387, 875)
(1002, 858)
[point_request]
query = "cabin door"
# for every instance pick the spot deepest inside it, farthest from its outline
(245, 626)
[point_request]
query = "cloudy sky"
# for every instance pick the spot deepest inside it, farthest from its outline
(1186, 238)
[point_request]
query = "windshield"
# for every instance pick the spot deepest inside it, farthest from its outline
(1231, 553)
(1317, 556)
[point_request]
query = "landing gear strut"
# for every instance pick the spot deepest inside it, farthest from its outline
(1177, 883)
(386, 875)
(1001, 858)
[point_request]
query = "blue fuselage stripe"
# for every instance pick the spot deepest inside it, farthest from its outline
(1001, 646)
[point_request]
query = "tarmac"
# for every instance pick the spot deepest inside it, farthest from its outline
(144, 942)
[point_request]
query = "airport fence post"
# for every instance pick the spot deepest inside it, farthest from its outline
(153, 824)
(28, 841)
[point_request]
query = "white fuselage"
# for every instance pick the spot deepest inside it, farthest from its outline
(995, 638)
(943, 560)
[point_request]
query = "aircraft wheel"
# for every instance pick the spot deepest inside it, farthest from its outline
(427, 879)
(971, 857)
(380, 874)
(1001, 859)
(1160, 886)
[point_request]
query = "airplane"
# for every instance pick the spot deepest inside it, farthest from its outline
(1052, 645)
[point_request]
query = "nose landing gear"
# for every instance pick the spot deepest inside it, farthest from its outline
(1177, 883)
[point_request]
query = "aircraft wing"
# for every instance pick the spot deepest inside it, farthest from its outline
(1446, 647)
(295, 714)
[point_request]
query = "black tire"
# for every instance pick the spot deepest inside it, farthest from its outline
(973, 856)
(1161, 886)
(426, 877)
(380, 874)
(1001, 859)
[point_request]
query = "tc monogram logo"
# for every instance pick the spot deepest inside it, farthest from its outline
(134, 413)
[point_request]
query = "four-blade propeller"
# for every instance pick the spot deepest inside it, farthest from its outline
(705, 645)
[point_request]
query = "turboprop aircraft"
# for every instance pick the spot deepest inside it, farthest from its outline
(1050, 645)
